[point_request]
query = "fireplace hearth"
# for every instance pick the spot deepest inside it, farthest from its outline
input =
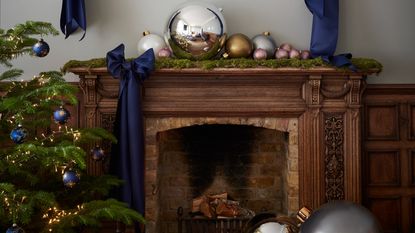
(317, 111)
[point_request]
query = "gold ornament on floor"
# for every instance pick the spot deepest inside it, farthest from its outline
(238, 45)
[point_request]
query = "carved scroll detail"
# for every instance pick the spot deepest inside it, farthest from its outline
(315, 91)
(334, 157)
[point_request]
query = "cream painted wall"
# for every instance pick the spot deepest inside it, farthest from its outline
(381, 29)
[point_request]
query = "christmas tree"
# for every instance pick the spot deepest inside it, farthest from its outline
(43, 183)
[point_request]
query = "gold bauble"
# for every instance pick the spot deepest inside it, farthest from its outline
(238, 45)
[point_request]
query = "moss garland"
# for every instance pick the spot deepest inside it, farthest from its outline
(363, 64)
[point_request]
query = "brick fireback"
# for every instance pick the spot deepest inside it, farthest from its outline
(174, 175)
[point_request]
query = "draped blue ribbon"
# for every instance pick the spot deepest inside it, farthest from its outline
(127, 159)
(325, 32)
(73, 17)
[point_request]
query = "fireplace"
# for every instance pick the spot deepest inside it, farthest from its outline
(254, 162)
(316, 112)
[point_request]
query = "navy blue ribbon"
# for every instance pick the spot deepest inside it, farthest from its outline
(127, 159)
(73, 17)
(325, 32)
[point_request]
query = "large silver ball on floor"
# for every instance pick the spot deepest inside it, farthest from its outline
(196, 31)
(341, 217)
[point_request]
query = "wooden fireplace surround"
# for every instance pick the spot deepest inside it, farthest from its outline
(326, 102)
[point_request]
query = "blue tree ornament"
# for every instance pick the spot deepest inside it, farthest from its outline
(70, 178)
(97, 153)
(61, 115)
(18, 134)
(14, 229)
(41, 48)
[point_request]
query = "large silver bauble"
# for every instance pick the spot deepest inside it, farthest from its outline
(341, 217)
(196, 31)
(265, 41)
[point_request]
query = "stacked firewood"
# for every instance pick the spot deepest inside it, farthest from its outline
(219, 206)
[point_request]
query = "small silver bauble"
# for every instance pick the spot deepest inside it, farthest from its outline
(196, 31)
(265, 41)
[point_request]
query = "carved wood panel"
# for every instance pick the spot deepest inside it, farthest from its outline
(334, 157)
(389, 155)
(388, 213)
(383, 168)
(383, 122)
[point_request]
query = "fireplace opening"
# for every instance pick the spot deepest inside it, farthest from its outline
(248, 163)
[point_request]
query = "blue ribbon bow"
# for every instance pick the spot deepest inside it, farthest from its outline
(127, 159)
(73, 17)
(325, 32)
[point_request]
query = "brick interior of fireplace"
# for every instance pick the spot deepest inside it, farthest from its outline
(250, 163)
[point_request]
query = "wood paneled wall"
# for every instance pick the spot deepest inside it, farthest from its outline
(389, 155)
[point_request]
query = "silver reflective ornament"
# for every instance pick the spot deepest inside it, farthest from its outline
(341, 217)
(196, 31)
(265, 41)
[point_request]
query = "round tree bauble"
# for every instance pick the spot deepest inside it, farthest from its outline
(149, 41)
(70, 178)
(41, 48)
(238, 45)
(305, 54)
(341, 217)
(164, 52)
(97, 153)
(294, 53)
(18, 134)
(61, 115)
(286, 46)
(196, 31)
(265, 41)
(260, 54)
(282, 54)
(15, 229)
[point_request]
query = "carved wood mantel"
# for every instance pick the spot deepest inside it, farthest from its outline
(326, 102)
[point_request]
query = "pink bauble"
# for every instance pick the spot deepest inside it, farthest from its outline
(260, 54)
(305, 54)
(164, 52)
(281, 53)
(294, 53)
(286, 46)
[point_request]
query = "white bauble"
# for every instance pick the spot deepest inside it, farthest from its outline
(149, 41)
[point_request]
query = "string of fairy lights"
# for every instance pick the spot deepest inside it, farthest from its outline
(12, 203)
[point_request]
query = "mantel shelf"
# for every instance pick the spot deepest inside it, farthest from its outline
(232, 71)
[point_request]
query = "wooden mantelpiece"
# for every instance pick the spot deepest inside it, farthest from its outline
(326, 102)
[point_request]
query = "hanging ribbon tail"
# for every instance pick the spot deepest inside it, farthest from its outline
(73, 17)
(127, 156)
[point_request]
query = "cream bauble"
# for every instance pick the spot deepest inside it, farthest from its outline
(150, 41)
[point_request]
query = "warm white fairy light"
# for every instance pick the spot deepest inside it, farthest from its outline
(54, 215)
